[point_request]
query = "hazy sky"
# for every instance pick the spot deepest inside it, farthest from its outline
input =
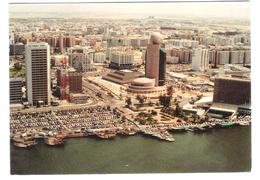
(212, 9)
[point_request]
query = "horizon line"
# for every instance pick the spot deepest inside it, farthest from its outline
(131, 2)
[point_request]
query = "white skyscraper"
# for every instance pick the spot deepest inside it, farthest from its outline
(200, 59)
(37, 59)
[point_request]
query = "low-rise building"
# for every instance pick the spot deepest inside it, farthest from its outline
(15, 90)
(122, 76)
(146, 87)
(78, 98)
(232, 91)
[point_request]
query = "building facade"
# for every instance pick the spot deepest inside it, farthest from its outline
(68, 81)
(81, 58)
(99, 57)
(16, 49)
(15, 87)
(200, 59)
(155, 63)
(232, 91)
(121, 60)
(75, 82)
(122, 76)
(37, 59)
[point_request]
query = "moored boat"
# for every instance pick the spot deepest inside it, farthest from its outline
(25, 144)
(52, 141)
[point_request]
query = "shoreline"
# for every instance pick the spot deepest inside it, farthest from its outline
(105, 122)
(161, 134)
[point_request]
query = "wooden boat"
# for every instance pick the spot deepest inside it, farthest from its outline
(52, 141)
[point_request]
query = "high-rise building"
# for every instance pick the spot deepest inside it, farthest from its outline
(81, 58)
(200, 59)
(121, 60)
(63, 83)
(61, 44)
(68, 81)
(184, 54)
(16, 90)
(155, 63)
(99, 57)
(229, 55)
(37, 59)
(75, 82)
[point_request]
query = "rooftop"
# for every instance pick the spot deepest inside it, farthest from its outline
(143, 80)
(224, 107)
(126, 70)
(233, 79)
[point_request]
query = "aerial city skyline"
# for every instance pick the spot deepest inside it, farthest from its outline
(152, 72)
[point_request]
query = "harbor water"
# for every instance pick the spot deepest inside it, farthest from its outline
(218, 150)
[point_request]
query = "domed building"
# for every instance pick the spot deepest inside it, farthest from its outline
(156, 38)
(142, 84)
(145, 86)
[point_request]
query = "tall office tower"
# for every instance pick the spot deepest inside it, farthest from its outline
(37, 61)
(200, 59)
(155, 63)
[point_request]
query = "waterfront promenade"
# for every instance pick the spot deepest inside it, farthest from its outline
(102, 121)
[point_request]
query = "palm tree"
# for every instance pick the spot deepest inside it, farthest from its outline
(165, 100)
(170, 90)
(177, 110)
(120, 96)
(128, 101)
(141, 99)
(123, 118)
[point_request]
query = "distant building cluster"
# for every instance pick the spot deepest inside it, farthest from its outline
(57, 53)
